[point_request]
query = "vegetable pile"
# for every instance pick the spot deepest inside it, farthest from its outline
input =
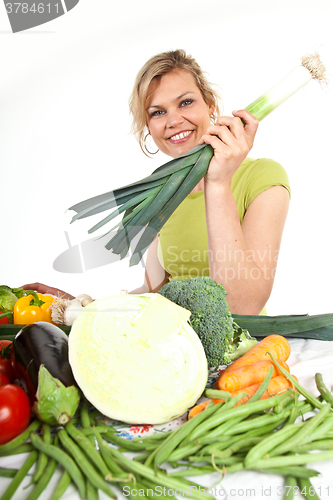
(274, 435)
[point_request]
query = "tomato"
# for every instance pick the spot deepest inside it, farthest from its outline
(4, 320)
(15, 412)
(6, 363)
(3, 380)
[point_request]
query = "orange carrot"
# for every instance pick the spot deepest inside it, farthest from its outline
(277, 385)
(247, 375)
(277, 345)
(201, 406)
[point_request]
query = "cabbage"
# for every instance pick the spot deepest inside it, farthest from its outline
(136, 358)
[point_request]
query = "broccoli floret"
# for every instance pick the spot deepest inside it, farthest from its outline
(210, 318)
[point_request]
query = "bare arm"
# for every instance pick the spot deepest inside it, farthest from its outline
(244, 257)
(241, 257)
(155, 274)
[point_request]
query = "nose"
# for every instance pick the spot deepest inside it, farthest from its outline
(175, 118)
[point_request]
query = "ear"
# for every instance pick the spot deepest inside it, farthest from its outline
(211, 110)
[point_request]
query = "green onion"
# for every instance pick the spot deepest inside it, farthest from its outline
(148, 203)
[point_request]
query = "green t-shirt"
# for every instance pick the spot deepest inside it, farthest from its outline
(183, 243)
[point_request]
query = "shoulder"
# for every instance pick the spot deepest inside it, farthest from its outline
(260, 174)
(261, 166)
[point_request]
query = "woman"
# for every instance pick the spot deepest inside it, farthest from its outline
(230, 226)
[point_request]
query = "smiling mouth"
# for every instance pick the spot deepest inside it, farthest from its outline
(181, 136)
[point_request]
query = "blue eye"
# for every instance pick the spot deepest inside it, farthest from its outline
(187, 102)
(157, 113)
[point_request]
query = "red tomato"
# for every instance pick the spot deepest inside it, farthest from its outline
(6, 367)
(3, 380)
(4, 320)
(15, 412)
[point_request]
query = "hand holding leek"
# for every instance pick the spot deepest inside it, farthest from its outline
(147, 204)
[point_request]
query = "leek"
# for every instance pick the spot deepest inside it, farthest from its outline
(148, 203)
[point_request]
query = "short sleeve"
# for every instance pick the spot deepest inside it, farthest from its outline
(264, 174)
(253, 177)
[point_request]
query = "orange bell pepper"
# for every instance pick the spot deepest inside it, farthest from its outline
(32, 308)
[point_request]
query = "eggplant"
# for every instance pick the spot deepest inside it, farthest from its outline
(41, 361)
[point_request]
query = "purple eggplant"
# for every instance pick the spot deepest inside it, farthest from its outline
(41, 360)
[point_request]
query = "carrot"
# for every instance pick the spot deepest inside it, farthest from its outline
(201, 406)
(277, 385)
(247, 375)
(277, 345)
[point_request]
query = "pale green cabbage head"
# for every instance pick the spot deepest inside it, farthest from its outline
(136, 358)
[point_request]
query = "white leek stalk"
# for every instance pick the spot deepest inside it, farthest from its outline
(311, 68)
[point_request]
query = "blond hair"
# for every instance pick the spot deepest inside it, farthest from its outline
(154, 69)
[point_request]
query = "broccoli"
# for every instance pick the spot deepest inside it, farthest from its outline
(222, 339)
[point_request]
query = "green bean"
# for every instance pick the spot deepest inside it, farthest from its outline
(311, 399)
(240, 411)
(186, 435)
(4, 472)
(22, 448)
(125, 443)
(183, 452)
(270, 442)
(62, 485)
(321, 431)
(165, 449)
(208, 458)
(307, 489)
(22, 438)
(294, 411)
(156, 436)
(286, 460)
(309, 426)
(234, 448)
(283, 404)
(20, 475)
(90, 431)
(120, 475)
(92, 492)
(85, 421)
(296, 471)
(263, 386)
(42, 458)
(217, 394)
(142, 457)
(80, 458)
(155, 477)
(258, 422)
(192, 471)
(89, 449)
(232, 468)
(324, 391)
(290, 486)
(320, 444)
(64, 459)
(44, 479)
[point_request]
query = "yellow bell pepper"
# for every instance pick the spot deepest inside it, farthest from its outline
(33, 307)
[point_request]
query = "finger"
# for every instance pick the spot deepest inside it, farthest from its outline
(249, 121)
(216, 143)
(223, 132)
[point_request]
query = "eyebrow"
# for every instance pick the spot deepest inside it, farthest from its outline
(176, 99)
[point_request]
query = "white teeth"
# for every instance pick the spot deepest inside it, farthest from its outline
(182, 135)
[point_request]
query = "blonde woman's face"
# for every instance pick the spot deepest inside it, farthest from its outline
(177, 115)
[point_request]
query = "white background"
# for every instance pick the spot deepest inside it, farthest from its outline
(65, 127)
